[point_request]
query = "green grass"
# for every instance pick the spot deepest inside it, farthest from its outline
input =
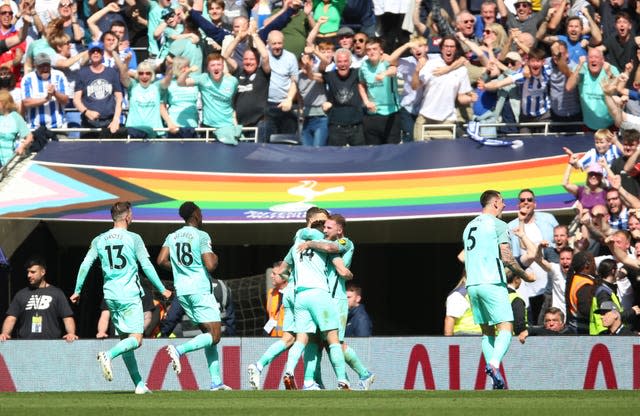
(326, 403)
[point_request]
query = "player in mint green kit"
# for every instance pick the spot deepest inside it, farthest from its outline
(187, 253)
(487, 251)
(120, 251)
(314, 307)
(254, 370)
(336, 242)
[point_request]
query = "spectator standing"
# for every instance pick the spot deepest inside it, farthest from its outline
(13, 57)
(279, 116)
(344, 103)
(538, 227)
(179, 106)
(37, 310)
(98, 93)
(217, 91)
(579, 293)
(588, 80)
(253, 80)
(441, 93)
(378, 89)
(358, 321)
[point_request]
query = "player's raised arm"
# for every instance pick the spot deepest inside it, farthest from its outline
(512, 264)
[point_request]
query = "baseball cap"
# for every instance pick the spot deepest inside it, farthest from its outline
(514, 56)
(595, 168)
(167, 13)
(605, 307)
(95, 45)
(42, 59)
(345, 31)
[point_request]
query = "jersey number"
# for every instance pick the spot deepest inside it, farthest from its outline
(308, 252)
(117, 250)
(471, 240)
(184, 253)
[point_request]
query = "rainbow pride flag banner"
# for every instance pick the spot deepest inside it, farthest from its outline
(277, 183)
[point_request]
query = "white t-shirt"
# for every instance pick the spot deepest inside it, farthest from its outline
(558, 281)
(440, 93)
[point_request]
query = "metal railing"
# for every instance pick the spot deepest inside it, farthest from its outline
(546, 125)
(249, 134)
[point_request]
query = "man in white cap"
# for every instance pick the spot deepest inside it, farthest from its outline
(45, 93)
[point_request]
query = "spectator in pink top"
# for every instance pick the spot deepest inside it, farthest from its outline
(593, 192)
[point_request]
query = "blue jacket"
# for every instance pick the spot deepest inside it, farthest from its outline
(545, 223)
(358, 323)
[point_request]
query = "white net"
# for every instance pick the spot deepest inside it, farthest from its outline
(249, 302)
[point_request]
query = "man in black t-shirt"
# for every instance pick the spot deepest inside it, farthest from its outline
(38, 309)
(253, 80)
(344, 104)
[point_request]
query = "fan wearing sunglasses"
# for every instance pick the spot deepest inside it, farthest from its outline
(144, 98)
(538, 226)
(523, 18)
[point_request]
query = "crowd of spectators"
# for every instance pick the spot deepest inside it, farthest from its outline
(332, 72)
(587, 272)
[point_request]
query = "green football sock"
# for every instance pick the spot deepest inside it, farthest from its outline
(352, 359)
(127, 344)
(502, 344)
(487, 347)
(132, 366)
(337, 360)
(271, 353)
(310, 361)
(294, 356)
(197, 343)
(211, 352)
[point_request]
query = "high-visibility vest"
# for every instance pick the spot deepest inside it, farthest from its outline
(275, 309)
(513, 296)
(465, 324)
(577, 283)
(595, 320)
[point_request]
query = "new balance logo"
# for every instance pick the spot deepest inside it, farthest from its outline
(38, 303)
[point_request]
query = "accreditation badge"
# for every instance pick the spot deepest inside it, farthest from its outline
(36, 324)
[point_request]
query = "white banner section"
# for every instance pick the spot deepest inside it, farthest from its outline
(412, 363)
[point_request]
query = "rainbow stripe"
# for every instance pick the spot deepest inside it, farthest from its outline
(76, 192)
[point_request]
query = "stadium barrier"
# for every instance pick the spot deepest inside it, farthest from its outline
(410, 363)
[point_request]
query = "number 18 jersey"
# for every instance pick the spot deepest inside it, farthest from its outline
(482, 238)
(186, 247)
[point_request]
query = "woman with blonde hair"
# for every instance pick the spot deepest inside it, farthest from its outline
(494, 38)
(144, 98)
(15, 137)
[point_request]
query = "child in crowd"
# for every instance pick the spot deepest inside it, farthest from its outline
(606, 145)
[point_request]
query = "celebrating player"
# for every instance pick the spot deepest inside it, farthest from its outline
(487, 251)
(187, 252)
(119, 251)
(313, 214)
